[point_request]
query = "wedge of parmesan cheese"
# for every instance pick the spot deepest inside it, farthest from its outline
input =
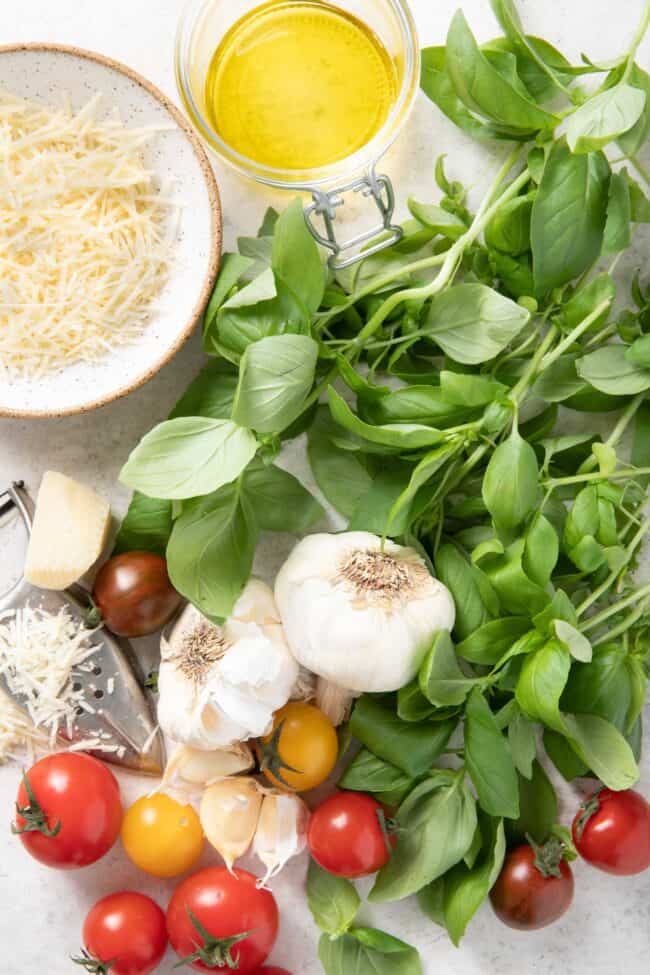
(69, 532)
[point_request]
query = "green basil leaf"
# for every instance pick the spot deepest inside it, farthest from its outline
(373, 512)
(569, 214)
(341, 476)
(412, 747)
(333, 901)
(473, 323)
(618, 235)
(639, 352)
(275, 376)
(541, 551)
(421, 474)
(538, 809)
(488, 760)
(412, 705)
(365, 951)
(231, 270)
(604, 118)
(413, 404)
(406, 436)
(603, 749)
(636, 137)
(509, 229)
(475, 599)
(523, 747)
(210, 552)
(263, 308)
(437, 824)
(510, 485)
(609, 370)
(468, 390)
(482, 88)
(280, 502)
(466, 889)
(211, 394)
(585, 300)
(441, 679)
(602, 686)
(638, 682)
(542, 680)
(368, 773)
(188, 457)
(431, 901)
(576, 643)
(440, 221)
(295, 257)
(147, 526)
(563, 757)
(559, 382)
(488, 644)
(639, 202)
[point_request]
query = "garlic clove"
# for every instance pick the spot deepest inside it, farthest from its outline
(334, 701)
(256, 604)
(281, 832)
(191, 769)
(229, 815)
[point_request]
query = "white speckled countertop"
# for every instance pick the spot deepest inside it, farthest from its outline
(41, 912)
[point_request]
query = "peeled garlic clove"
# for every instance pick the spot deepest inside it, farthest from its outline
(281, 832)
(229, 813)
(192, 767)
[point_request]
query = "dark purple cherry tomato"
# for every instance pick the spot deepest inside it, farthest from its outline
(534, 888)
(134, 595)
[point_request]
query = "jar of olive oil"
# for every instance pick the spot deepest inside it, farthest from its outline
(305, 95)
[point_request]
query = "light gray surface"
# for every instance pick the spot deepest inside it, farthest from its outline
(41, 912)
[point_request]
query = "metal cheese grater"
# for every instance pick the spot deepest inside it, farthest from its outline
(111, 679)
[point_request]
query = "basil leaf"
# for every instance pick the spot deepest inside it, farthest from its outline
(437, 823)
(475, 600)
(510, 485)
(541, 551)
(563, 756)
(231, 270)
(211, 394)
(263, 308)
(466, 889)
(569, 214)
(538, 809)
(489, 761)
(487, 644)
(295, 257)
(639, 352)
(280, 502)
(541, 683)
(188, 457)
(636, 137)
(603, 749)
(412, 705)
(146, 526)
(482, 88)
(406, 436)
(431, 901)
(275, 376)
(602, 686)
(619, 214)
(639, 202)
(373, 510)
(609, 370)
(440, 221)
(368, 773)
(523, 748)
(469, 391)
(421, 474)
(442, 681)
(365, 951)
(210, 552)
(333, 901)
(413, 404)
(340, 475)
(576, 643)
(473, 323)
(509, 229)
(584, 301)
(412, 747)
(604, 117)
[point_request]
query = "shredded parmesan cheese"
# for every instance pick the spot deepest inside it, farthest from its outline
(85, 236)
(39, 652)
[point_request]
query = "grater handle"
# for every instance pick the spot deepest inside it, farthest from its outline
(321, 216)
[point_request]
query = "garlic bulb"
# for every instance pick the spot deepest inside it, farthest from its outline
(229, 813)
(360, 615)
(281, 831)
(191, 770)
(221, 684)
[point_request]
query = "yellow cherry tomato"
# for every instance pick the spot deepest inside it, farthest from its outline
(302, 749)
(162, 836)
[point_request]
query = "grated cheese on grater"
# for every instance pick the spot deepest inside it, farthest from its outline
(38, 654)
(85, 236)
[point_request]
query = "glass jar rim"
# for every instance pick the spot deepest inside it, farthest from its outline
(305, 179)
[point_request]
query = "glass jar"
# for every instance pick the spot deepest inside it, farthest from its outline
(201, 30)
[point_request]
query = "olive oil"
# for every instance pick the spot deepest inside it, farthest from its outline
(299, 85)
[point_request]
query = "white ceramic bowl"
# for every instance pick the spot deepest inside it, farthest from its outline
(41, 73)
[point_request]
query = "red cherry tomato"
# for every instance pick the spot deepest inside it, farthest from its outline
(348, 835)
(612, 831)
(527, 895)
(125, 932)
(134, 595)
(69, 811)
(219, 920)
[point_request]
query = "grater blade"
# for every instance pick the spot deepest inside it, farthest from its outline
(111, 678)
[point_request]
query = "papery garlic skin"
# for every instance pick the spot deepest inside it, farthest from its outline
(359, 615)
(221, 685)
(281, 831)
(190, 770)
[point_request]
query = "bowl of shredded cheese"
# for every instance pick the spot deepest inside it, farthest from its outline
(100, 283)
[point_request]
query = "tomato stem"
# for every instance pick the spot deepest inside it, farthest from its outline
(34, 815)
(587, 810)
(214, 952)
(92, 965)
(548, 855)
(388, 826)
(271, 760)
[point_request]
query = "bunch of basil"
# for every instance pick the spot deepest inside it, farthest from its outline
(490, 321)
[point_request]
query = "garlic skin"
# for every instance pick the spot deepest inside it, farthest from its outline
(190, 770)
(281, 831)
(359, 615)
(220, 685)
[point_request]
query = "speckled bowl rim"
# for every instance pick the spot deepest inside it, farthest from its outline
(216, 225)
